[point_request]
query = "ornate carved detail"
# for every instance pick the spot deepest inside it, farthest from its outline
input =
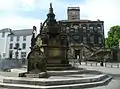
(36, 60)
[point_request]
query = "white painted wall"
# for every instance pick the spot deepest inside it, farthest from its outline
(3, 44)
(28, 44)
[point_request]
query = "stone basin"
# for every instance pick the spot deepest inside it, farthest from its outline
(67, 79)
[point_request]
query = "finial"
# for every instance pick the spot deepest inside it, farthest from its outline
(40, 24)
(40, 27)
(34, 28)
(51, 5)
(50, 9)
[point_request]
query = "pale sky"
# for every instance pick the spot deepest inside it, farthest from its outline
(21, 14)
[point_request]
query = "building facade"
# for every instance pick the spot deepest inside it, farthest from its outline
(85, 32)
(3, 42)
(17, 43)
(73, 13)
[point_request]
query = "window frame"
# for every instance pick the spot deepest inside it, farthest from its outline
(23, 45)
(11, 38)
(18, 38)
(24, 38)
(10, 46)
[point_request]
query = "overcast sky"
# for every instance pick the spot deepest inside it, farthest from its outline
(20, 14)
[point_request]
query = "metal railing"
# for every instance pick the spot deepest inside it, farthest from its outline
(75, 62)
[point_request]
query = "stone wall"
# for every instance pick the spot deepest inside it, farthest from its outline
(11, 63)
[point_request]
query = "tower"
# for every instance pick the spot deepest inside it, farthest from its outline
(73, 13)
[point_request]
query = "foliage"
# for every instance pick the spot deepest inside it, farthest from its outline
(113, 37)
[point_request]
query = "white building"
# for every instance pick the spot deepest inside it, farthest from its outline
(23, 39)
(3, 41)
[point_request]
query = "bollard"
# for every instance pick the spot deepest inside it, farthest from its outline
(105, 64)
(96, 64)
(117, 65)
(91, 64)
(111, 66)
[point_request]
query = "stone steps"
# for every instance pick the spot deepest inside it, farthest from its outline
(50, 82)
(89, 84)
(59, 68)
(51, 66)
(58, 65)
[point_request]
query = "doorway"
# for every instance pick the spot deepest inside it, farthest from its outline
(77, 54)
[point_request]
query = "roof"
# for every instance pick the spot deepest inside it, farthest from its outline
(23, 32)
(78, 21)
(5, 30)
(73, 8)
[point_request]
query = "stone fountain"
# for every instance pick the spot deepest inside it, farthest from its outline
(54, 45)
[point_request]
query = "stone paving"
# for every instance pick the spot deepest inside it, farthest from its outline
(115, 72)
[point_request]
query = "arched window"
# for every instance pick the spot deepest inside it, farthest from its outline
(76, 27)
(91, 27)
(91, 39)
(85, 40)
(72, 30)
(99, 28)
(84, 27)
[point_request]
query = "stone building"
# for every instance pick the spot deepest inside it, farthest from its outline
(73, 13)
(86, 32)
(3, 41)
(20, 38)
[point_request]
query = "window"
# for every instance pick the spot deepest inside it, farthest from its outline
(76, 37)
(76, 30)
(76, 26)
(11, 38)
(10, 54)
(98, 27)
(84, 40)
(24, 45)
(3, 34)
(17, 45)
(71, 30)
(99, 40)
(18, 38)
(84, 27)
(24, 38)
(11, 46)
(67, 28)
(92, 39)
(73, 18)
(23, 54)
(91, 27)
(16, 55)
(79, 25)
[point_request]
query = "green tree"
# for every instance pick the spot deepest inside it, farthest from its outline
(113, 37)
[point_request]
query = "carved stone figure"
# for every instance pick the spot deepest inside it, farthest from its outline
(36, 61)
